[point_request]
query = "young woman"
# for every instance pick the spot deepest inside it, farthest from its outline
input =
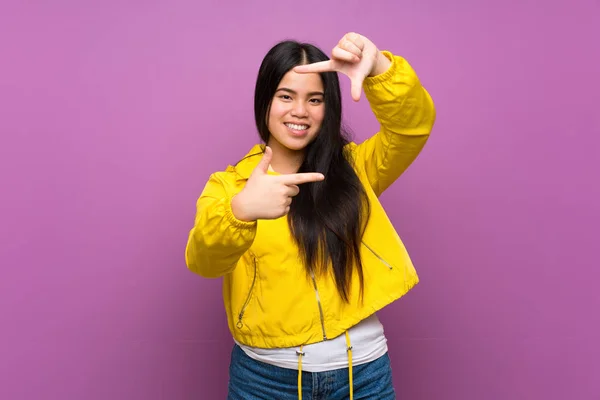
(296, 229)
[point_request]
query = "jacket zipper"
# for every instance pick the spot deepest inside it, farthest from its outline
(378, 256)
(383, 261)
(312, 275)
(240, 324)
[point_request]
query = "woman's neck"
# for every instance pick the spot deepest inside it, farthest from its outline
(285, 161)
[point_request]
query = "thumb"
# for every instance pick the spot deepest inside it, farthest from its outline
(356, 88)
(263, 165)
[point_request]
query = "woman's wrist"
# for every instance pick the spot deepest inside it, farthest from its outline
(382, 64)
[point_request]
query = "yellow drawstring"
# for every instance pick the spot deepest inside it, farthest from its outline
(300, 354)
(349, 348)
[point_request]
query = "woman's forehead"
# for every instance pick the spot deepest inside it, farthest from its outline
(301, 83)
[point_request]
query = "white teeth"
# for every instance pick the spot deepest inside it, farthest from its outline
(297, 127)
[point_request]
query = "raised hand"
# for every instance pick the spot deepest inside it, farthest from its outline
(266, 196)
(356, 57)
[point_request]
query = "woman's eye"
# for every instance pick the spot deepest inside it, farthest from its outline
(316, 101)
(285, 97)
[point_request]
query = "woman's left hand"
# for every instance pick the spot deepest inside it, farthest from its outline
(356, 57)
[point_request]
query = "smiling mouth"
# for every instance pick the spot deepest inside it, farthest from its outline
(297, 127)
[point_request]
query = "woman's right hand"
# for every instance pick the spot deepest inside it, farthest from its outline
(266, 196)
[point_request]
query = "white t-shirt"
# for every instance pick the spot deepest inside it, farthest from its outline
(367, 339)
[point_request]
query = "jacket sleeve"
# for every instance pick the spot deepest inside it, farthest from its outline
(406, 114)
(218, 239)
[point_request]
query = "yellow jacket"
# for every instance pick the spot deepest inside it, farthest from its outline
(269, 300)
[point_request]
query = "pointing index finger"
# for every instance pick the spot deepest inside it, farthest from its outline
(300, 178)
(322, 66)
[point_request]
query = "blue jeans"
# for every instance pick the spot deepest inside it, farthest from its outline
(253, 380)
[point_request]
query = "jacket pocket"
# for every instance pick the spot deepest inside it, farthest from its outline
(387, 264)
(240, 323)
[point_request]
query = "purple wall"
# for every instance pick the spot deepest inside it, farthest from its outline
(113, 114)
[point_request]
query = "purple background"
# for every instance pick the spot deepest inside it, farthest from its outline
(114, 113)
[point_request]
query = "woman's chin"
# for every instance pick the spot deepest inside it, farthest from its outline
(295, 144)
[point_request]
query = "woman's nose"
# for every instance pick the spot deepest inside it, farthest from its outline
(299, 109)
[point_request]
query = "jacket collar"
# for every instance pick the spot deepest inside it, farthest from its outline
(246, 165)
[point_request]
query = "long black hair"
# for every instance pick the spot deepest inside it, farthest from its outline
(326, 218)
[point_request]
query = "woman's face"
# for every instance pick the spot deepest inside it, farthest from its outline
(297, 111)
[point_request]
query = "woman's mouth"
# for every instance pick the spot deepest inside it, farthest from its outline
(297, 129)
